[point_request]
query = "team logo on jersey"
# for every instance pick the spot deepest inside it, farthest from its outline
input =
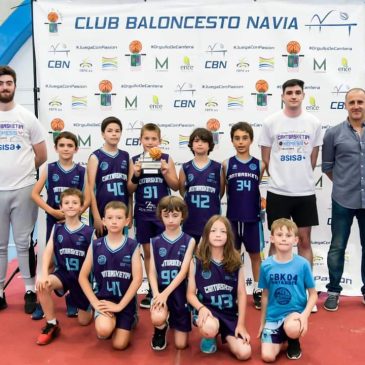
(104, 165)
(234, 167)
(162, 251)
(206, 274)
(124, 165)
(190, 177)
(253, 167)
(60, 238)
(127, 259)
(75, 180)
(80, 240)
(282, 296)
(55, 177)
(101, 260)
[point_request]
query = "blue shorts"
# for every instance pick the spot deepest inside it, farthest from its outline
(127, 318)
(145, 230)
(250, 234)
(70, 284)
(273, 332)
(180, 316)
(227, 324)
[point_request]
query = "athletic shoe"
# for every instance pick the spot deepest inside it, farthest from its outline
(3, 304)
(49, 332)
(314, 309)
(30, 299)
(71, 309)
(257, 294)
(293, 352)
(38, 313)
(208, 345)
(146, 301)
(159, 341)
(331, 303)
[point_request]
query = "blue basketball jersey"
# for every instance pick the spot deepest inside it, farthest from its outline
(202, 194)
(111, 178)
(59, 179)
(169, 256)
(243, 194)
(217, 288)
(70, 248)
(112, 269)
(151, 188)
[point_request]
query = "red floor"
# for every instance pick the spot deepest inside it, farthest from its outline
(333, 338)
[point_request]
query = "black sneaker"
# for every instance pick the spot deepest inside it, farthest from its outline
(3, 304)
(159, 342)
(331, 303)
(293, 352)
(257, 294)
(30, 299)
(146, 301)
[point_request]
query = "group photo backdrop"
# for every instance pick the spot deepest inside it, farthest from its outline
(191, 63)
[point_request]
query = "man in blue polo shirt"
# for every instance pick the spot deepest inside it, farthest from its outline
(343, 161)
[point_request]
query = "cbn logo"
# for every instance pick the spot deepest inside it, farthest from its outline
(184, 103)
(338, 105)
(215, 64)
(58, 64)
(132, 142)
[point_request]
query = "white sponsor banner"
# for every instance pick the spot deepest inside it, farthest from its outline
(191, 64)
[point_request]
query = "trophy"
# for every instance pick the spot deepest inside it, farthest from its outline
(148, 161)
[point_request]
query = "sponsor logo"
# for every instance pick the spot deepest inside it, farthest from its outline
(109, 63)
(79, 102)
(135, 47)
(161, 65)
(320, 66)
(185, 89)
(266, 64)
(86, 65)
(234, 102)
(186, 66)
(211, 105)
(312, 107)
(130, 104)
(242, 65)
(261, 87)
(183, 141)
(216, 50)
(344, 68)
(273, 22)
(293, 49)
(59, 50)
(53, 21)
(155, 103)
(55, 104)
(105, 87)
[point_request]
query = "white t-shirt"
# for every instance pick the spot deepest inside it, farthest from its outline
(19, 131)
(292, 141)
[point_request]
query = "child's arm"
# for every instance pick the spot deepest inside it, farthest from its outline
(92, 167)
(169, 172)
(223, 182)
(135, 171)
(152, 275)
(36, 196)
(87, 196)
(182, 181)
(240, 330)
(161, 298)
(265, 154)
(137, 276)
(86, 286)
(263, 168)
(264, 301)
(43, 281)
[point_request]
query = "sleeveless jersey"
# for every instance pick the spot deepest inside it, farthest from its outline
(111, 178)
(217, 288)
(70, 248)
(151, 188)
(202, 194)
(112, 270)
(243, 194)
(58, 180)
(169, 256)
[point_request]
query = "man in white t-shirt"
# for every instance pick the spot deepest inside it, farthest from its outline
(22, 151)
(290, 141)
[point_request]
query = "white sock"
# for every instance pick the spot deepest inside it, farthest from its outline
(52, 321)
(1, 293)
(255, 285)
(30, 288)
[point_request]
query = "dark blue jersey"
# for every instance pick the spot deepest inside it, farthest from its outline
(169, 256)
(217, 288)
(202, 194)
(111, 178)
(59, 179)
(243, 194)
(151, 188)
(70, 248)
(112, 269)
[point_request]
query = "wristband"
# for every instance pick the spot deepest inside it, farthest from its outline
(200, 308)
(135, 179)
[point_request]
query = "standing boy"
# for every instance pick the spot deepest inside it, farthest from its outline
(285, 278)
(243, 175)
(201, 183)
(107, 170)
(68, 245)
(149, 187)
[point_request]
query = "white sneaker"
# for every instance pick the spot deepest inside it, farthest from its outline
(315, 309)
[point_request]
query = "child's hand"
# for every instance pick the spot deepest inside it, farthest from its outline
(204, 313)
(303, 324)
(99, 227)
(58, 214)
(137, 168)
(241, 332)
(43, 284)
(110, 307)
(159, 300)
(164, 167)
